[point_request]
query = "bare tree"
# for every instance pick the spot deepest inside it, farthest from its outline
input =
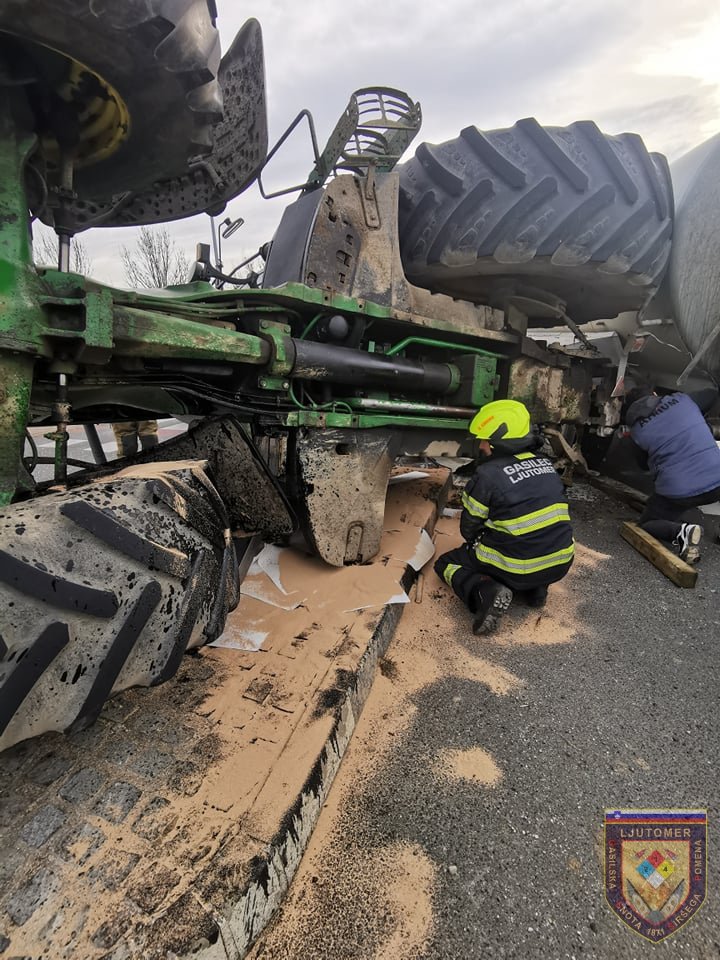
(154, 261)
(45, 251)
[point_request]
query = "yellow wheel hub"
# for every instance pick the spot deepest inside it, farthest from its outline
(103, 115)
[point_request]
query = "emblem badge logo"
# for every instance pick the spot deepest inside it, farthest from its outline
(655, 868)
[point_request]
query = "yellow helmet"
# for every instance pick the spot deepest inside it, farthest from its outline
(501, 420)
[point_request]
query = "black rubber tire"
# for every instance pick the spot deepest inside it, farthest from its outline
(162, 57)
(238, 152)
(553, 212)
(105, 587)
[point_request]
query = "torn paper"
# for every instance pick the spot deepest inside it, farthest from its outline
(401, 597)
(423, 551)
(404, 477)
(268, 561)
(261, 587)
(236, 637)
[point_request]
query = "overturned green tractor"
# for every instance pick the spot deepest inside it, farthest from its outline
(394, 301)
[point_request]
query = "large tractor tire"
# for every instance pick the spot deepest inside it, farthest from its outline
(538, 214)
(161, 57)
(105, 587)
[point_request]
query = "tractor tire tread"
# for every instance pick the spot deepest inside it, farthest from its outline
(105, 587)
(569, 212)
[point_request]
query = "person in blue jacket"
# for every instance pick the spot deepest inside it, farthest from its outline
(675, 442)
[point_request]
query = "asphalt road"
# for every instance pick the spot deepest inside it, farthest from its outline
(79, 449)
(625, 717)
(620, 714)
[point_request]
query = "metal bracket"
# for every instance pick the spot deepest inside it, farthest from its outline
(342, 479)
(368, 198)
(98, 334)
(277, 384)
(278, 335)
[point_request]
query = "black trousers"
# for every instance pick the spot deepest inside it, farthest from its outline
(461, 570)
(663, 516)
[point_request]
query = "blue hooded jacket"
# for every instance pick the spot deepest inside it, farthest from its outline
(683, 456)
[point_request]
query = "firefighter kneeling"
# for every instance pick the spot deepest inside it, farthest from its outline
(515, 520)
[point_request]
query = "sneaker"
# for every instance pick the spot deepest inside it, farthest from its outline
(688, 542)
(493, 605)
(536, 597)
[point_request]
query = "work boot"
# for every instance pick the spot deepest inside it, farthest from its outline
(129, 445)
(494, 601)
(536, 597)
(688, 542)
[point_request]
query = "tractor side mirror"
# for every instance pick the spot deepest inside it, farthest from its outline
(230, 226)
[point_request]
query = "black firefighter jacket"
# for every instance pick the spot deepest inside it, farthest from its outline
(516, 520)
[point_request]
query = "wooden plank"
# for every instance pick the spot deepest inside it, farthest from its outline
(620, 491)
(665, 560)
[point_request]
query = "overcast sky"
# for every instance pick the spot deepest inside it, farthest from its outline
(647, 66)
